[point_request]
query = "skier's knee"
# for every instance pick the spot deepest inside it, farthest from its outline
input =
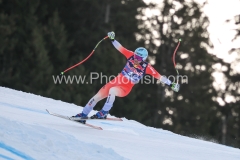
(96, 98)
(112, 91)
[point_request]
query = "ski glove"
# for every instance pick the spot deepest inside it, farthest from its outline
(111, 35)
(175, 87)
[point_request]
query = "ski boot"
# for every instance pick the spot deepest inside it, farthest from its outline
(100, 115)
(79, 115)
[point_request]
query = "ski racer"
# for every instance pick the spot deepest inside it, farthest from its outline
(134, 70)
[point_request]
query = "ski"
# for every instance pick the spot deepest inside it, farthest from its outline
(89, 118)
(67, 118)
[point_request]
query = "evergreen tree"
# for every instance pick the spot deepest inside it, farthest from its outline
(230, 96)
(7, 43)
(191, 110)
(28, 46)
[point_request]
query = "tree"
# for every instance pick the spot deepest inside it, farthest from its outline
(229, 96)
(190, 111)
(28, 47)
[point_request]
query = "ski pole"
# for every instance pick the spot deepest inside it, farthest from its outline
(173, 58)
(85, 58)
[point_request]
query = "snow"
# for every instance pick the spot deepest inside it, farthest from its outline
(27, 131)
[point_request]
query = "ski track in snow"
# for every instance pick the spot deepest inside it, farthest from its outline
(27, 131)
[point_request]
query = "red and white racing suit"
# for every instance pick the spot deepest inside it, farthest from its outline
(121, 85)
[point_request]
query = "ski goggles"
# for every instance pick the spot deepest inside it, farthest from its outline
(138, 57)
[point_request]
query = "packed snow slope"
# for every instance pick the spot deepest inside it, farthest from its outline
(27, 131)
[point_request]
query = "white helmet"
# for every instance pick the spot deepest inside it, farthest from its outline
(141, 52)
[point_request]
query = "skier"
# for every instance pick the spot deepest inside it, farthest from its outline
(134, 70)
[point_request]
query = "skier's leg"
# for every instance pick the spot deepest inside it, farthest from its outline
(119, 91)
(92, 102)
(102, 93)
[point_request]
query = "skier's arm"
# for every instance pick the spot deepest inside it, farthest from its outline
(121, 49)
(151, 71)
(118, 46)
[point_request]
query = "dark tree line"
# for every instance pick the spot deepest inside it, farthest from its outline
(39, 39)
